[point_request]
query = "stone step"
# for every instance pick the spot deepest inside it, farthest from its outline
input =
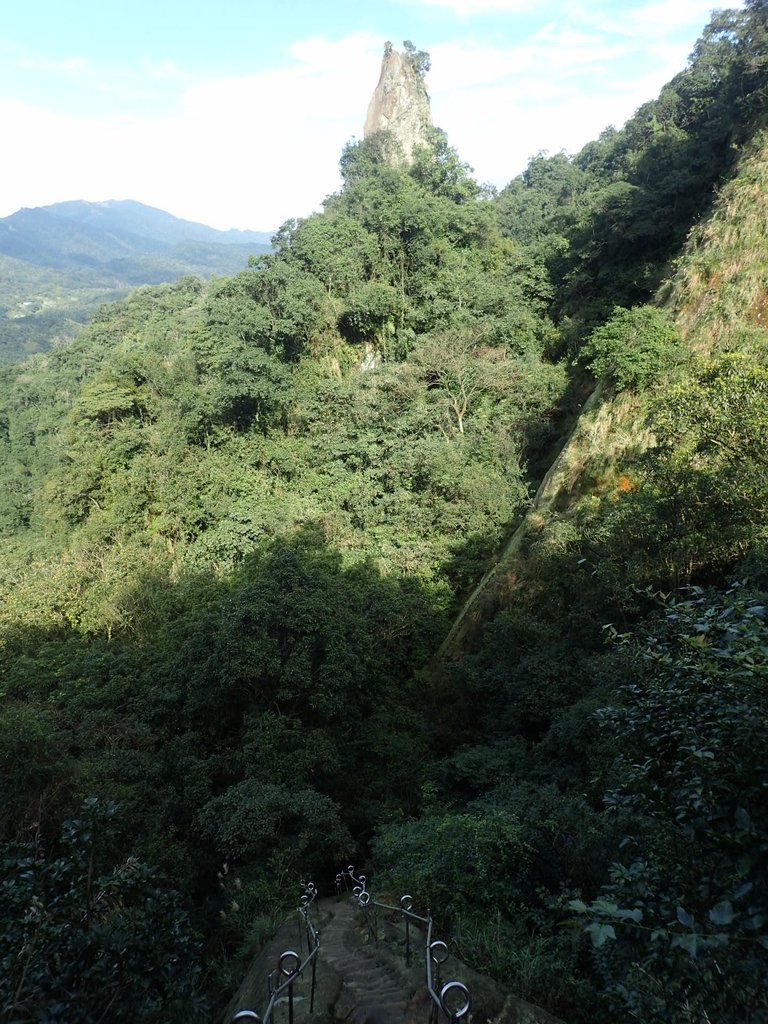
(372, 991)
(360, 983)
(374, 987)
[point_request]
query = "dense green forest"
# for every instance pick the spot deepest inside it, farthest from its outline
(239, 518)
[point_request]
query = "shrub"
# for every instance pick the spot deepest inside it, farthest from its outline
(634, 347)
(82, 937)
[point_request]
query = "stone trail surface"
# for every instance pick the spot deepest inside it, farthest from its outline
(358, 982)
(373, 991)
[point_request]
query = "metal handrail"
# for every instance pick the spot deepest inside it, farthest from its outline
(453, 998)
(290, 965)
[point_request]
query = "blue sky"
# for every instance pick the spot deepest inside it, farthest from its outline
(235, 113)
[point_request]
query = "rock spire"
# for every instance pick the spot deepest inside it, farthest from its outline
(400, 104)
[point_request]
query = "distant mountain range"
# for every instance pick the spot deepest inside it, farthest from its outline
(59, 263)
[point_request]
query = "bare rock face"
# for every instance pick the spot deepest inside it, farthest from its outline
(400, 104)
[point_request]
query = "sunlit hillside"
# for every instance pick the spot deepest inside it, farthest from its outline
(434, 540)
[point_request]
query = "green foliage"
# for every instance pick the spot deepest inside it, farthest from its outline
(104, 401)
(252, 819)
(419, 59)
(367, 157)
(683, 919)
(634, 347)
(238, 517)
(434, 856)
(507, 844)
(79, 930)
(336, 250)
(275, 305)
(372, 314)
(609, 219)
(718, 415)
(438, 167)
(540, 202)
(701, 497)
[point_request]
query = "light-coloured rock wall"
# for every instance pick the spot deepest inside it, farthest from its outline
(400, 105)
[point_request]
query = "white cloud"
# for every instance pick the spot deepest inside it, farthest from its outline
(163, 70)
(247, 151)
(561, 86)
(252, 150)
(662, 17)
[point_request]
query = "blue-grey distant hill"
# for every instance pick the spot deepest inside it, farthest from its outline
(59, 263)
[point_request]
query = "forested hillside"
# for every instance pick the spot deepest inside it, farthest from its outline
(59, 263)
(239, 518)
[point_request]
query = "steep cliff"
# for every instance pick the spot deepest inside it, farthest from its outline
(718, 300)
(400, 103)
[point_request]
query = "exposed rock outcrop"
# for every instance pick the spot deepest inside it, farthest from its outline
(400, 103)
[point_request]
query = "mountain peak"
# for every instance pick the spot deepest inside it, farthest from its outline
(400, 103)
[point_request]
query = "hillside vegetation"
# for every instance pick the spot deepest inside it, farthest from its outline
(59, 263)
(239, 519)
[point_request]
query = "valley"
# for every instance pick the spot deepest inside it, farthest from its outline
(431, 539)
(59, 263)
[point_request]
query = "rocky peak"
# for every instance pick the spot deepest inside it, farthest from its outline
(400, 104)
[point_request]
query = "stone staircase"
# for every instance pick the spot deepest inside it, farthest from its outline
(359, 982)
(374, 990)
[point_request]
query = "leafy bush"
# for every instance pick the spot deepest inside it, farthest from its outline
(251, 818)
(82, 938)
(680, 929)
(434, 858)
(634, 347)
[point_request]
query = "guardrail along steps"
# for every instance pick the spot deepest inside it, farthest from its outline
(357, 960)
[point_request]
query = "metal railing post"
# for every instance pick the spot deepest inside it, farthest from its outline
(291, 966)
(406, 902)
(312, 988)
